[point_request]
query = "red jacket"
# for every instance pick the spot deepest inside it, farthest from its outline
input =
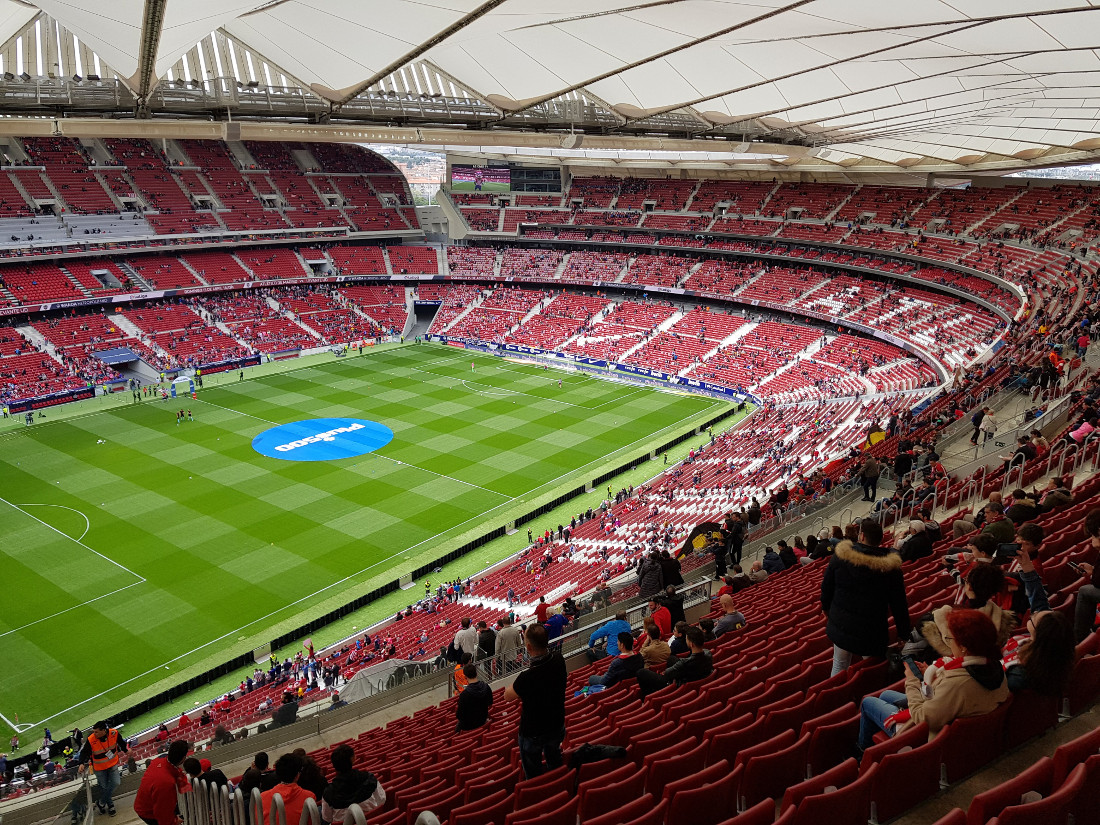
(294, 800)
(156, 797)
(663, 618)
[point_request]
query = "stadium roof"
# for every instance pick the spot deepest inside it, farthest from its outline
(919, 83)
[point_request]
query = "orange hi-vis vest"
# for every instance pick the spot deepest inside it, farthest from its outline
(104, 752)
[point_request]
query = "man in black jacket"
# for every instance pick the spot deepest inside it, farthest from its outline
(674, 603)
(735, 536)
(670, 569)
(472, 710)
(863, 583)
(349, 787)
(624, 666)
(695, 667)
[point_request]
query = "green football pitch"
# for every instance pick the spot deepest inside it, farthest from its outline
(134, 548)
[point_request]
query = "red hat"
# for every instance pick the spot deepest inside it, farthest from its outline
(975, 632)
(206, 765)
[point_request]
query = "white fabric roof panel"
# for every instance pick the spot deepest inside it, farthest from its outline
(961, 77)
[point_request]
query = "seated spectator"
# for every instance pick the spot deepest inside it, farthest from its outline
(786, 555)
(609, 631)
(771, 562)
(654, 649)
(914, 543)
(730, 620)
(349, 787)
(969, 682)
(678, 645)
(472, 710)
(758, 573)
(1025, 451)
(695, 667)
(1023, 508)
(222, 736)
(286, 713)
(984, 590)
(211, 775)
(1057, 496)
(288, 768)
(311, 777)
(625, 665)
(1085, 617)
(1042, 659)
(997, 525)
(962, 526)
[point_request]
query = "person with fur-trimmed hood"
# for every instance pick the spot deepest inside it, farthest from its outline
(863, 583)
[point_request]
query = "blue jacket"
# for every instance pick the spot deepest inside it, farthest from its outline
(610, 631)
(555, 625)
(772, 563)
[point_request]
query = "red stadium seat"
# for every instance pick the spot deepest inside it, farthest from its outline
(989, 804)
(1051, 810)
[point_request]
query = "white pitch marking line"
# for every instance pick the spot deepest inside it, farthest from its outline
(17, 728)
(70, 538)
(440, 475)
(238, 412)
(87, 523)
(68, 609)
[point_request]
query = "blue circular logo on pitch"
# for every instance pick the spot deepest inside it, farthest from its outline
(322, 439)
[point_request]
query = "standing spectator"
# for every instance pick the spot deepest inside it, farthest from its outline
(735, 531)
(155, 803)
(466, 638)
(649, 575)
(472, 710)
(288, 768)
(976, 419)
(509, 642)
(660, 615)
(541, 690)
(555, 625)
(868, 477)
(674, 603)
(102, 749)
(670, 569)
(541, 610)
(988, 427)
(349, 787)
(486, 641)
(863, 582)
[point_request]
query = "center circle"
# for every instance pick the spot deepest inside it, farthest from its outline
(322, 439)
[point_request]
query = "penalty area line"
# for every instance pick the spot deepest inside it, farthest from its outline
(69, 609)
(76, 541)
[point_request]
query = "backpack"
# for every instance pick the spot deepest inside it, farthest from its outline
(453, 655)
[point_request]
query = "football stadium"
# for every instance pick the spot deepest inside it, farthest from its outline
(493, 413)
